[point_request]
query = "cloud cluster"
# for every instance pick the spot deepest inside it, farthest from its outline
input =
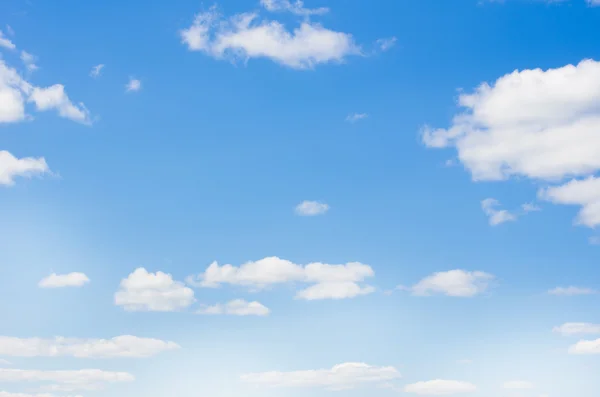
(120, 346)
(537, 124)
(328, 281)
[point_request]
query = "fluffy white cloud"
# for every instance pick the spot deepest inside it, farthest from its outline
(586, 347)
(518, 385)
(538, 124)
(144, 291)
(311, 208)
(133, 85)
(440, 387)
(5, 42)
(495, 215)
(96, 70)
(295, 7)
(340, 377)
(74, 279)
(244, 36)
(120, 346)
(29, 61)
(353, 118)
(237, 307)
(12, 167)
(571, 291)
(459, 283)
(329, 281)
(54, 97)
(83, 379)
(577, 328)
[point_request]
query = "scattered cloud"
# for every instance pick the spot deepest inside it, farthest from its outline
(518, 385)
(5, 42)
(537, 124)
(329, 281)
(83, 379)
(133, 85)
(340, 377)
(353, 118)
(530, 207)
(569, 329)
(440, 387)
(295, 7)
(584, 347)
(12, 167)
(74, 279)
(238, 307)
(457, 283)
(144, 291)
(311, 208)
(96, 70)
(571, 291)
(120, 346)
(496, 216)
(29, 61)
(386, 43)
(55, 97)
(246, 36)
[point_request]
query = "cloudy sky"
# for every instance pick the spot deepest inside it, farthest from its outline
(269, 197)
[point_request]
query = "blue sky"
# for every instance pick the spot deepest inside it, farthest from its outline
(266, 197)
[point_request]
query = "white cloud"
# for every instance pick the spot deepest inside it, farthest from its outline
(120, 346)
(83, 379)
(386, 43)
(96, 70)
(5, 42)
(9, 394)
(586, 347)
(538, 124)
(55, 97)
(593, 3)
(518, 385)
(329, 281)
(458, 283)
(496, 216)
(571, 291)
(74, 279)
(133, 85)
(29, 61)
(295, 7)
(340, 377)
(311, 208)
(237, 307)
(353, 118)
(144, 291)
(440, 387)
(569, 329)
(12, 167)
(530, 207)
(244, 36)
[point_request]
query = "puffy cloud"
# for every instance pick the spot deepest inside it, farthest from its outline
(586, 347)
(329, 281)
(133, 85)
(496, 216)
(12, 167)
(571, 291)
(74, 279)
(340, 377)
(144, 291)
(120, 346)
(518, 385)
(237, 307)
(295, 7)
(311, 208)
(83, 379)
(440, 387)
(96, 70)
(5, 42)
(538, 124)
(353, 118)
(577, 328)
(54, 97)
(458, 283)
(244, 36)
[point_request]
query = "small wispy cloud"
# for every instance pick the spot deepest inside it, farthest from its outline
(96, 70)
(353, 118)
(5, 42)
(133, 85)
(29, 61)
(311, 208)
(571, 291)
(386, 43)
